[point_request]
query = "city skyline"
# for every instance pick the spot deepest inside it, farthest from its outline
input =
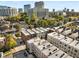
(58, 5)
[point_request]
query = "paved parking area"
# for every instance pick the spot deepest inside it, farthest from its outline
(20, 54)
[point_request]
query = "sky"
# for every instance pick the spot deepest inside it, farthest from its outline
(58, 5)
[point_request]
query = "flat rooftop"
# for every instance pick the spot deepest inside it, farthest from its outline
(60, 30)
(42, 44)
(55, 35)
(52, 29)
(47, 28)
(36, 39)
(36, 30)
(2, 38)
(59, 54)
(24, 32)
(51, 50)
(56, 28)
(74, 35)
(66, 32)
(61, 37)
(67, 40)
(43, 29)
(30, 31)
(75, 44)
(39, 29)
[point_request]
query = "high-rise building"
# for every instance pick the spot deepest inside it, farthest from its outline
(27, 7)
(67, 10)
(7, 11)
(72, 10)
(39, 10)
(20, 10)
(39, 4)
(53, 10)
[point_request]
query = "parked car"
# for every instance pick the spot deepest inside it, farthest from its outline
(25, 53)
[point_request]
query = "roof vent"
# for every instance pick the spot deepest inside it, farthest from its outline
(43, 47)
(62, 55)
(65, 37)
(54, 50)
(49, 49)
(76, 43)
(48, 45)
(50, 53)
(56, 55)
(38, 43)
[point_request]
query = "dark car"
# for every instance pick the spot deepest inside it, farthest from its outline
(25, 53)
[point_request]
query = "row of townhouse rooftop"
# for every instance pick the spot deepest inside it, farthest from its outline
(63, 38)
(74, 34)
(43, 49)
(42, 32)
(66, 40)
(27, 34)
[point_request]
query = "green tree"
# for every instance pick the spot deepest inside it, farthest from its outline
(10, 43)
(43, 23)
(1, 35)
(33, 19)
(17, 34)
(18, 27)
(23, 16)
(27, 21)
